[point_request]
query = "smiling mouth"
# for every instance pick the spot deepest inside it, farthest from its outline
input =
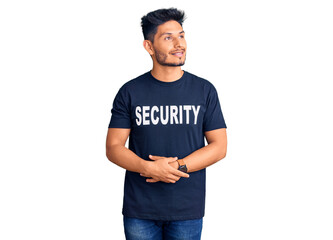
(178, 54)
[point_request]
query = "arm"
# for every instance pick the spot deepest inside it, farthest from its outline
(120, 155)
(205, 156)
(211, 153)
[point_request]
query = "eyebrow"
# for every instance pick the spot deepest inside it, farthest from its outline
(171, 33)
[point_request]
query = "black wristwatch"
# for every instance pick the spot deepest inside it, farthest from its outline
(182, 166)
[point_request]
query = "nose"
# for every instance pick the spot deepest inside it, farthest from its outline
(179, 42)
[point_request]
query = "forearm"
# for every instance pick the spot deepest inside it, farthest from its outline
(125, 158)
(159, 169)
(205, 156)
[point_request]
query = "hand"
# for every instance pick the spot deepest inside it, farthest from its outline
(163, 169)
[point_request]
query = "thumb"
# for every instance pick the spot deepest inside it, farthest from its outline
(172, 159)
(154, 157)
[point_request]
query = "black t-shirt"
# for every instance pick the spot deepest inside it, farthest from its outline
(166, 119)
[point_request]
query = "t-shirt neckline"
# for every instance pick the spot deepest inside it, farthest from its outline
(162, 83)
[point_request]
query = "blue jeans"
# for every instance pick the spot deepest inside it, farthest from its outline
(141, 229)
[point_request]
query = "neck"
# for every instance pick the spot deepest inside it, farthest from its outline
(167, 73)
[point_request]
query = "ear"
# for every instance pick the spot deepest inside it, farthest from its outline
(148, 45)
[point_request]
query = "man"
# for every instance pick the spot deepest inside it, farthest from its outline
(166, 113)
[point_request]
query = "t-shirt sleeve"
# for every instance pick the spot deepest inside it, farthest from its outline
(120, 112)
(213, 118)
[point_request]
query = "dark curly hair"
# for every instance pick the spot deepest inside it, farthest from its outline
(152, 20)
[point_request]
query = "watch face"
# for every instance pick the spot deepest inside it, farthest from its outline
(183, 168)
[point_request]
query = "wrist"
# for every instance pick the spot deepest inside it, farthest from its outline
(182, 165)
(145, 166)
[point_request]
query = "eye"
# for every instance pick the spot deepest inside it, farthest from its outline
(167, 38)
(181, 36)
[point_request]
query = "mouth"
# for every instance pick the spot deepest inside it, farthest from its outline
(178, 53)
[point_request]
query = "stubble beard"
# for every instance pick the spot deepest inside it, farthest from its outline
(161, 59)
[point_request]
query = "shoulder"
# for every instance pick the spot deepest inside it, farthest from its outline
(134, 83)
(202, 82)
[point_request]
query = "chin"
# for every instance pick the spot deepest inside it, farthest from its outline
(175, 64)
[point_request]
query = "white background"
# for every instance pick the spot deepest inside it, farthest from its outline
(62, 63)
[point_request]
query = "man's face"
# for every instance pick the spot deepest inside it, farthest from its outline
(169, 44)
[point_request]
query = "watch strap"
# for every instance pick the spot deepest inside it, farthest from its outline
(182, 166)
(181, 162)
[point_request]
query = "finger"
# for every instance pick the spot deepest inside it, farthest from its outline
(180, 173)
(151, 180)
(168, 180)
(172, 159)
(174, 178)
(155, 157)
